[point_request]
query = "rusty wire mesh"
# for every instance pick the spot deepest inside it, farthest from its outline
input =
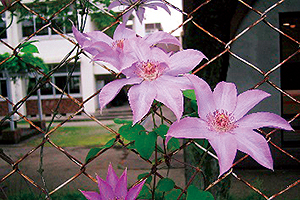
(82, 165)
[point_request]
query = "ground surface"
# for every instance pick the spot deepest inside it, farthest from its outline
(58, 169)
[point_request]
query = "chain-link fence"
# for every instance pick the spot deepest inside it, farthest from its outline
(289, 96)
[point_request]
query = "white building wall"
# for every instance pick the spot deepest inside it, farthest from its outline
(168, 22)
(13, 38)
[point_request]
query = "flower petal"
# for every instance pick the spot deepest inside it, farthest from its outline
(255, 145)
(127, 15)
(80, 37)
(113, 4)
(204, 96)
(225, 96)
(109, 91)
(189, 127)
(122, 32)
(90, 195)
(139, 48)
(109, 56)
(121, 189)
(136, 51)
(184, 61)
(111, 178)
(140, 99)
(95, 48)
(96, 36)
(140, 14)
(263, 119)
(225, 146)
(161, 37)
(172, 98)
(181, 81)
(134, 191)
(128, 56)
(162, 5)
(106, 191)
(247, 100)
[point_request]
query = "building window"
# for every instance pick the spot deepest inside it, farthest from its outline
(32, 23)
(153, 27)
(3, 88)
(59, 78)
(3, 34)
(290, 82)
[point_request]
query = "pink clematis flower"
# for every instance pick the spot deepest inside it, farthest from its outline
(154, 76)
(104, 48)
(224, 124)
(114, 188)
(139, 8)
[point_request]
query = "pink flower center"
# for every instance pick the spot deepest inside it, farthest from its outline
(118, 44)
(149, 70)
(221, 121)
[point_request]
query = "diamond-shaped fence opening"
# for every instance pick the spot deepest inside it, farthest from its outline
(256, 25)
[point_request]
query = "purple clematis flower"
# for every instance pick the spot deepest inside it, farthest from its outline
(139, 8)
(224, 124)
(104, 48)
(154, 75)
(114, 188)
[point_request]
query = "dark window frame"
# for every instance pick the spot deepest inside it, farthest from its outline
(289, 23)
(49, 91)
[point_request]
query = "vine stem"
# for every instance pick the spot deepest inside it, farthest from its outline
(155, 164)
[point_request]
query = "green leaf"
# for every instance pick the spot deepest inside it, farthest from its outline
(194, 105)
(145, 193)
(162, 130)
(109, 143)
(173, 144)
(159, 195)
(189, 94)
(165, 185)
(193, 193)
(122, 121)
(130, 132)
(174, 194)
(148, 180)
(131, 146)
(28, 42)
(28, 47)
(145, 144)
(93, 151)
